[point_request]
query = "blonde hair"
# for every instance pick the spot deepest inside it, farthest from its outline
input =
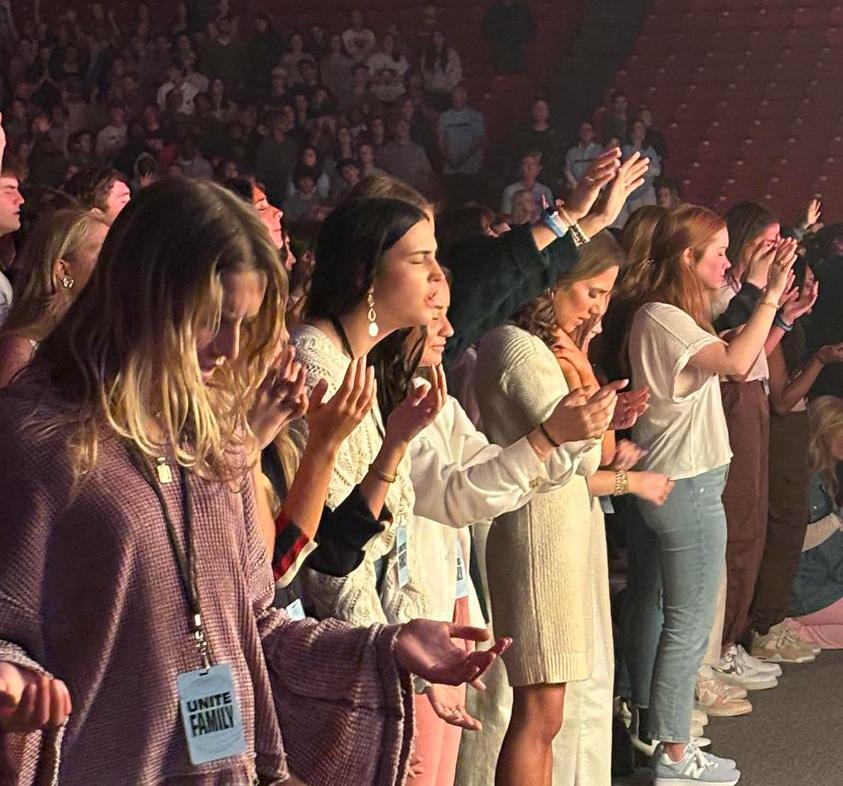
(126, 358)
(826, 419)
(670, 279)
(539, 316)
(40, 299)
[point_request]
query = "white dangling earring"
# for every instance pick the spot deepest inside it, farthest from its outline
(67, 281)
(371, 315)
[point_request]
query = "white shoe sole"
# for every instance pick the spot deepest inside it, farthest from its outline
(777, 658)
(755, 683)
(719, 713)
(689, 781)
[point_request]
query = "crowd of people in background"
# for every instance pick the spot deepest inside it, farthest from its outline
(303, 427)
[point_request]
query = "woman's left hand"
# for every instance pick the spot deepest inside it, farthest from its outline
(448, 702)
(425, 648)
(630, 407)
(280, 398)
(802, 303)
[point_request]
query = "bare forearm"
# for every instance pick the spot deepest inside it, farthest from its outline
(773, 340)
(798, 388)
(602, 483)
(373, 487)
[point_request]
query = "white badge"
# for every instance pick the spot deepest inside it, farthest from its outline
(295, 611)
(210, 714)
(462, 577)
(606, 505)
(401, 553)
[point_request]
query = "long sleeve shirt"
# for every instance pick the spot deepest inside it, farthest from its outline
(90, 593)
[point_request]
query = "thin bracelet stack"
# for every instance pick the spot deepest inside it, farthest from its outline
(383, 475)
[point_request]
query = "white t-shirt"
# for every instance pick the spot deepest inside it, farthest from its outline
(684, 429)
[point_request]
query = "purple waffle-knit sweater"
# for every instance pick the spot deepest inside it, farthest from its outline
(89, 592)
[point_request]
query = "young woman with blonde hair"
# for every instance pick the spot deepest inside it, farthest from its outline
(816, 601)
(680, 547)
(56, 263)
(131, 554)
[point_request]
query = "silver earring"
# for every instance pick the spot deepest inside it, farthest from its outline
(371, 315)
(67, 281)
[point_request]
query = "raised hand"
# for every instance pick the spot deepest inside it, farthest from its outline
(627, 455)
(281, 397)
(830, 353)
(803, 302)
(814, 212)
(29, 702)
(330, 422)
(630, 407)
(629, 177)
(777, 279)
(448, 703)
(601, 171)
(425, 648)
(418, 410)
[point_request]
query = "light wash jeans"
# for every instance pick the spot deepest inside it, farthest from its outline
(676, 555)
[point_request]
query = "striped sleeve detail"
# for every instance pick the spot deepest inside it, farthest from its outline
(291, 549)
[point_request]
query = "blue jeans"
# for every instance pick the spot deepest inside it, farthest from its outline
(676, 555)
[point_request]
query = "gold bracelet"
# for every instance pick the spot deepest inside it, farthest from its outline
(768, 303)
(621, 483)
(383, 475)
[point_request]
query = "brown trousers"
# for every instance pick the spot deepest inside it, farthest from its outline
(787, 520)
(745, 499)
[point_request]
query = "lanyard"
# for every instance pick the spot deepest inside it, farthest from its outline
(185, 558)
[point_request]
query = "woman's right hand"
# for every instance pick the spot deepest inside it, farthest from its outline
(761, 257)
(29, 702)
(777, 279)
(578, 416)
(830, 353)
(652, 487)
(417, 410)
(331, 422)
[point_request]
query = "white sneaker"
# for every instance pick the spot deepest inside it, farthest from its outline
(694, 767)
(733, 672)
(698, 716)
(755, 666)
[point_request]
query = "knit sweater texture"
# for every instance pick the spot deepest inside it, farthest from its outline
(538, 556)
(89, 592)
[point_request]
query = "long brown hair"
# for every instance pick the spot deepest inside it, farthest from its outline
(539, 316)
(671, 280)
(40, 299)
(126, 357)
(637, 243)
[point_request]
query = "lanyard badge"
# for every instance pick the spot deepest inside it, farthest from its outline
(210, 712)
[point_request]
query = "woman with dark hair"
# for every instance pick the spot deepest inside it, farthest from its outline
(441, 70)
(131, 521)
(753, 236)
(375, 274)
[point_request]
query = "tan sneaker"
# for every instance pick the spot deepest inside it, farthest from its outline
(698, 716)
(792, 626)
(781, 645)
(717, 699)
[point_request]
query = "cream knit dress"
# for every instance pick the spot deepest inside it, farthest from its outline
(540, 559)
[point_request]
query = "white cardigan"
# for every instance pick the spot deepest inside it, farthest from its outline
(460, 479)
